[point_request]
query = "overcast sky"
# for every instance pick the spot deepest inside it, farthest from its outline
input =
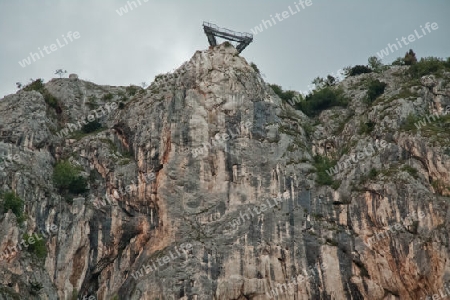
(158, 36)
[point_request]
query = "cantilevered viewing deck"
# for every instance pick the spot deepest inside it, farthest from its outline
(212, 31)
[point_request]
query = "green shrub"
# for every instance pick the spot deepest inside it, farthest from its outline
(373, 173)
(427, 66)
(320, 83)
(277, 89)
(63, 174)
(330, 80)
(12, 202)
(322, 99)
(336, 184)
(398, 62)
(78, 185)
(106, 97)
(255, 67)
(284, 95)
(410, 58)
(366, 127)
(35, 288)
(75, 294)
(322, 164)
(67, 178)
(131, 90)
(375, 64)
(91, 126)
(408, 124)
(375, 89)
(38, 248)
(49, 99)
(38, 85)
(439, 186)
(121, 105)
(412, 171)
(357, 70)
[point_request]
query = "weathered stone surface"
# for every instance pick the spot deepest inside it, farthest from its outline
(224, 150)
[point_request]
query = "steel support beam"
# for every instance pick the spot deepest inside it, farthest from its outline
(212, 31)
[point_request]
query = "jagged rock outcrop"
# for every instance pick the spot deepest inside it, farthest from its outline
(234, 179)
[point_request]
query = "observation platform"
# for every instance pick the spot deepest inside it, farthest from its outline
(212, 31)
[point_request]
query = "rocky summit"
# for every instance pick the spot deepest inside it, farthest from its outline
(208, 185)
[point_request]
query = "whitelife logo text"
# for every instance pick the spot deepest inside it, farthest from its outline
(49, 49)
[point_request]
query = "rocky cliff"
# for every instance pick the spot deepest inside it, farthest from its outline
(206, 185)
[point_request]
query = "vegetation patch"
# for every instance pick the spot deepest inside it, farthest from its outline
(287, 130)
(255, 67)
(9, 293)
(107, 97)
(92, 102)
(429, 65)
(411, 171)
(35, 288)
(439, 186)
(375, 88)
(405, 93)
(309, 129)
(366, 127)
(408, 124)
(323, 99)
(38, 85)
(131, 90)
(434, 126)
(336, 184)
(357, 70)
(373, 173)
(322, 164)
(122, 96)
(38, 247)
(284, 95)
(68, 179)
(14, 203)
(91, 127)
(227, 44)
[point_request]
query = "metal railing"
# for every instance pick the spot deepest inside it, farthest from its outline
(227, 31)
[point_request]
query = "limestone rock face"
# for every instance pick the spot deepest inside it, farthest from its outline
(204, 186)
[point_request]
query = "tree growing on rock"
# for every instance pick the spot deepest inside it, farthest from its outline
(410, 58)
(60, 72)
(375, 64)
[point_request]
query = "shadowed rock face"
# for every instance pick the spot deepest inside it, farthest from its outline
(233, 210)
